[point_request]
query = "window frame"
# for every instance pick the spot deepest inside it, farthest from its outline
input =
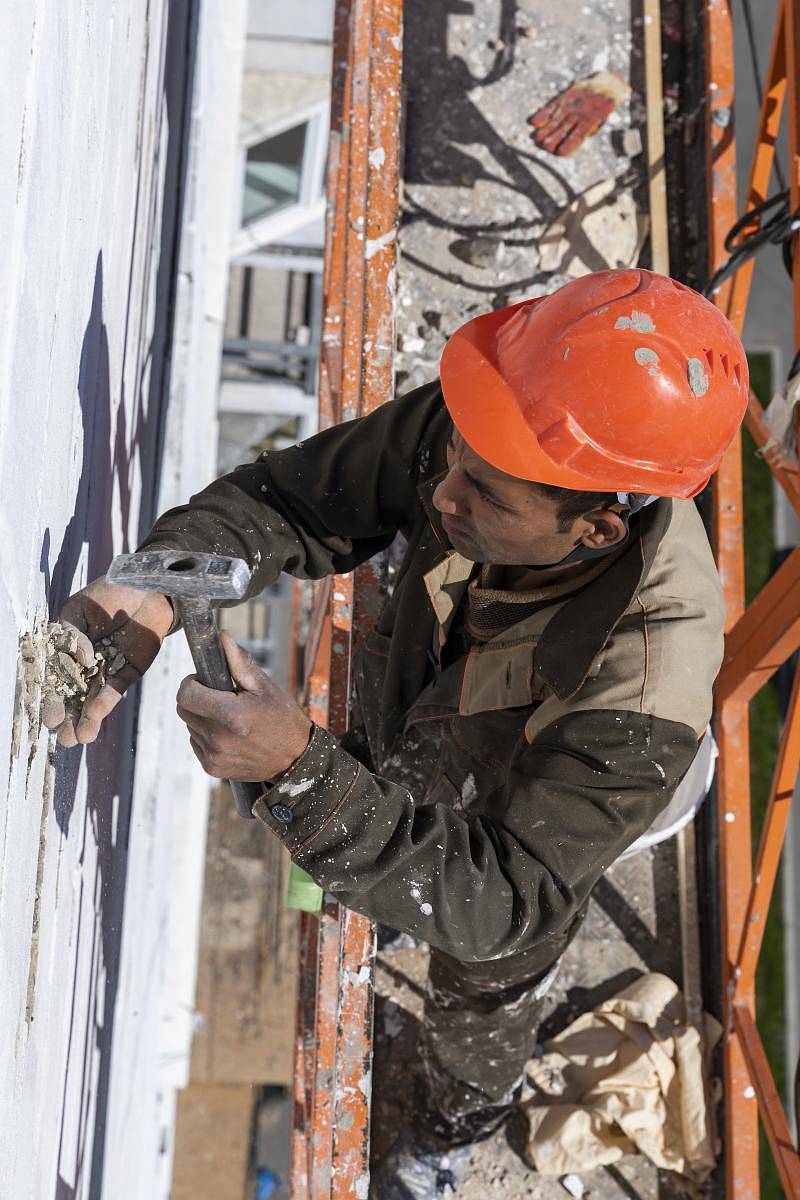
(310, 203)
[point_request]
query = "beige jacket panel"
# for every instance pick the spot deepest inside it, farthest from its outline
(664, 654)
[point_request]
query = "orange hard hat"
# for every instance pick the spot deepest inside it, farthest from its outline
(619, 381)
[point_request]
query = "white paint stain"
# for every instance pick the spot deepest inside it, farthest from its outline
(374, 245)
(295, 789)
(639, 321)
(698, 380)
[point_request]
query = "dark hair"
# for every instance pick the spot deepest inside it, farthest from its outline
(571, 504)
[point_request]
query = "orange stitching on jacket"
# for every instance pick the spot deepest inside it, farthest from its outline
(646, 651)
(330, 816)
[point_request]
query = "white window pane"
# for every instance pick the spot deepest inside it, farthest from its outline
(272, 174)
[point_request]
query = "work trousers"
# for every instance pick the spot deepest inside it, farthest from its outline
(480, 1018)
(479, 1030)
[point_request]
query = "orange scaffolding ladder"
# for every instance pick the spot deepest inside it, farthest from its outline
(333, 1045)
(761, 637)
(330, 1140)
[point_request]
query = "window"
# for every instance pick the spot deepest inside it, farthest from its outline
(272, 174)
(282, 180)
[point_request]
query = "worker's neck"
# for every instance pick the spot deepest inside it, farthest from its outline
(529, 579)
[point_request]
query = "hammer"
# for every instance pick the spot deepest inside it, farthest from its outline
(192, 581)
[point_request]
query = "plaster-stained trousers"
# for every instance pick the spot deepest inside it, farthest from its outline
(480, 1019)
(479, 1029)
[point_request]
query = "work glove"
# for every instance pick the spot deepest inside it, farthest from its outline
(104, 640)
(563, 124)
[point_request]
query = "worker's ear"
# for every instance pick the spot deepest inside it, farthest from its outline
(244, 670)
(602, 528)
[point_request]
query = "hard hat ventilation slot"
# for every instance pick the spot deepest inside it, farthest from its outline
(737, 374)
(709, 358)
(723, 358)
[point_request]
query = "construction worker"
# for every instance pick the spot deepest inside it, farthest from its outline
(535, 688)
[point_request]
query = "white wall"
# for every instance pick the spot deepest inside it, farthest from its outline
(293, 39)
(101, 847)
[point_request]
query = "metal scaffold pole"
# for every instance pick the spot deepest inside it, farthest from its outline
(333, 1060)
(761, 637)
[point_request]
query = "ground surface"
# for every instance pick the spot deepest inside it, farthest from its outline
(479, 196)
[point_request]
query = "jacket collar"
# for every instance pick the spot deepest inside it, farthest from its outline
(580, 627)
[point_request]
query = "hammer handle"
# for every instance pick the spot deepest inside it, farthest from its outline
(212, 671)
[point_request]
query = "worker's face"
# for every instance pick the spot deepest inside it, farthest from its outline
(491, 517)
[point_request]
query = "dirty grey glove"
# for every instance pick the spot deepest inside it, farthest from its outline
(105, 639)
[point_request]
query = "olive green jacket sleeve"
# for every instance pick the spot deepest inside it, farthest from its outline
(477, 888)
(320, 507)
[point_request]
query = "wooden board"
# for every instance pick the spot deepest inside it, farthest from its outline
(212, 1142)
(246, 973)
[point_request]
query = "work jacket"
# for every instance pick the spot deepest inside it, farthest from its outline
(504, 780)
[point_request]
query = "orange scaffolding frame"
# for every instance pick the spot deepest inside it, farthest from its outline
(333, 1042)
(333, 1045)
(761, 637)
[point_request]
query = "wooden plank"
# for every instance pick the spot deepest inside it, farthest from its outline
(356, 375)
(212, 1142)
(246, 977)
(656, 164)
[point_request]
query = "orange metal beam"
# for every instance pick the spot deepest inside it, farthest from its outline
(733, 778)
(720, 139)
(788, 477)
(356, 374)
(781, 1143)
(769, 851)
(764, 637)
(791, 14)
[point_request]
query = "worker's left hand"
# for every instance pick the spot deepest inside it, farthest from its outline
(254, 734)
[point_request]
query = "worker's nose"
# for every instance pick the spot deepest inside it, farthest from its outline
(448, 497)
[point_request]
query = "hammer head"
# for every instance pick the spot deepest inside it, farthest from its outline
(182, 573)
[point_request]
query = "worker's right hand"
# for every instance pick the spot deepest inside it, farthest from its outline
(136, 622)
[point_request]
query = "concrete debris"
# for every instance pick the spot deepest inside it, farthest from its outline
(574, 1185)
(632, 144)
(595, 232)
(73, 667)
(478, 251)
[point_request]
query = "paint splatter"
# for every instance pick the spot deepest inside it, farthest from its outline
(698, 380)
(646, 357)
(640, 322)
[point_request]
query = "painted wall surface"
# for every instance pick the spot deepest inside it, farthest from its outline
(116, 206)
